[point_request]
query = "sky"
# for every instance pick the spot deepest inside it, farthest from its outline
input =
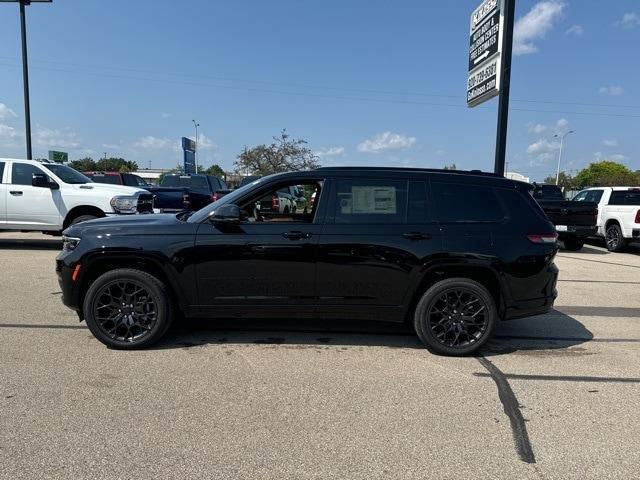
(365, 82)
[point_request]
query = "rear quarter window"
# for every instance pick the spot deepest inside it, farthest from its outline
(622, 197)
(465, 203)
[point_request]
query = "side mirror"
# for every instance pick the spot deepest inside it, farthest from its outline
(228, 214)
(42, 181)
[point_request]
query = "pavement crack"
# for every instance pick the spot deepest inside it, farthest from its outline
(512, 410)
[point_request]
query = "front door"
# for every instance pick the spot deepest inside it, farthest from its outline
(3, 196)
(30, 207)
(268, 260)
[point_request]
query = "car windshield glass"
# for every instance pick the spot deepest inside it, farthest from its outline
(66, 174)
(203, 213)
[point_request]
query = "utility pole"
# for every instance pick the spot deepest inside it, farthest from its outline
(560, 153)
(195, 156)
(25, 70)
(505, 87)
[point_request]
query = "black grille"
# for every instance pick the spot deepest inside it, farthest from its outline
(145, 203)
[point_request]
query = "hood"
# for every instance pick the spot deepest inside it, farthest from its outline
(132, 225)
(108, 188)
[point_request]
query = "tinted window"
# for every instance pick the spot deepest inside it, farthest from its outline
(466, 203)
(370, 201)
(110, 179)
(629, 197)
(22, 173)
(67, 174)
(589, 196)
(417, 212)
(1, 170)
(137, 181)
(185, 181)
(548, 192)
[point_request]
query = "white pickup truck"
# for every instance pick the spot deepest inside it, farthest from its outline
(48, 197)
(618, 214)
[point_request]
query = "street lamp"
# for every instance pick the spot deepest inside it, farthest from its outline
(195, 157)
(25, 69)
(561, 137)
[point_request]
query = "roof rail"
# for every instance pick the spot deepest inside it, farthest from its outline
(412, 169)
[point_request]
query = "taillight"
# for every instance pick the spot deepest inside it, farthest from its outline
(543, 237)
(638, 216)
(215, 197)
(275, 203)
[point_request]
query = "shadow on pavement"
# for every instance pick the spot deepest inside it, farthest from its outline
(32, 244)
(552, 332)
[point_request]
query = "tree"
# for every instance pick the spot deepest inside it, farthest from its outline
(88, 164)
(84, 164)
(565, 181)
(450, 167)
(215, 170)
(606, 174)
(284, 154)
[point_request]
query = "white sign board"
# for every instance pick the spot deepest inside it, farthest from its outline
(485, 40)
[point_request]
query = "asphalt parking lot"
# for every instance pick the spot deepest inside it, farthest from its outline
(555, 396)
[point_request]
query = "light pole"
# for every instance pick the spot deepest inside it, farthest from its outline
(25, 69)
(561, 137)
(196, 124)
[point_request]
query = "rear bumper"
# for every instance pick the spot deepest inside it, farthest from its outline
(635, 234)
(538, 305)
(574, 231)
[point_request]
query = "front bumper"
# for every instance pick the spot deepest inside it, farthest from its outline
(69, 287)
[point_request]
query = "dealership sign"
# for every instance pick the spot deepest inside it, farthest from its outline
(189, 149)
(485, 37)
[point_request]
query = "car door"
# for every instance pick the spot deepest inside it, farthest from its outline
(3, 196)
(259, 264)
(378, 236)
(29, 206)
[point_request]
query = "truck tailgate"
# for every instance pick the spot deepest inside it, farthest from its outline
(561, 212)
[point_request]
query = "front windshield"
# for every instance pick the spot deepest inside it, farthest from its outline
(67, 174)
(203, 213)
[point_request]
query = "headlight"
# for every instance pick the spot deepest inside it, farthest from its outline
(124, 204)
(69, 243)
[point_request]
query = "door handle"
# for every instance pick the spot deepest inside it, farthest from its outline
(415, 236)
(16, 193)
(296, 235)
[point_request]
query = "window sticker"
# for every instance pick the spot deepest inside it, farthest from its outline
(373, 200)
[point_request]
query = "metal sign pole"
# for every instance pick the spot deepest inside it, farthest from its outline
(505, 84)
(25, 75)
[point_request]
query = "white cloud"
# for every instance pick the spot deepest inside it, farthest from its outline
(152, 143)
(8, 132)
(204, 142)
(111, 146)
(537, 128)
(559, 127)
(562, 123)
(610, 143)
(535, 25)
(6, 112)
(330, 152)
(576, 30)
(617, 157)
(611, 90)
(386, 141)
(630, 20)
(165, 115)
(542, 146)
(56, 137)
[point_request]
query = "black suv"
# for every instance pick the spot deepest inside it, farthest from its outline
(450, 252)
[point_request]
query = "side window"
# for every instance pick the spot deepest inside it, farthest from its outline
(417, 212)
(594, 196)
(622, 197)
(581, 197)
(456, 203)
(1, 170)
(272, 206)
(22, 173)
(370, 201)
(138, 181)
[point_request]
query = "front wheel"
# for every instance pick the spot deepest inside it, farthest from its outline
(613, 236)
(128, 309)
(573, 244)
(455, 317)
(83, 218)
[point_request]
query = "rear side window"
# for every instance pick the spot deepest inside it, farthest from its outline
(22, 173)
(110, 179)
(370, 201)
(417, 212)
(621, 197)
(456, 203)
(1, 170)
(589, 196)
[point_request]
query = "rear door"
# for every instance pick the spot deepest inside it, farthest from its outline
(379, 233)
(3, 195)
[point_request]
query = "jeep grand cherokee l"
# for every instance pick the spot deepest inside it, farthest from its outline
(452, 253)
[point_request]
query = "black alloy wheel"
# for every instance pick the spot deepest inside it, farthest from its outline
(615, 240)
(455, 316)
(128, 309)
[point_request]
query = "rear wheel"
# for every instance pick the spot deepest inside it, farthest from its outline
(128, 309)
(455, 317)
(613, 236)
(573, 244)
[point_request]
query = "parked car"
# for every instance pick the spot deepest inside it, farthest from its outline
(287, 200)
(202, 189)
(450, 252)
(165, 199)
(618, 214)
(574, 221)
(48, 197)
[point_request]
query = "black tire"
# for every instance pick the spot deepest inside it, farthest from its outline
(614, 239)
(111, 330)
(477, 333)
(286, 210)
(83, 218)
(573, 244)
